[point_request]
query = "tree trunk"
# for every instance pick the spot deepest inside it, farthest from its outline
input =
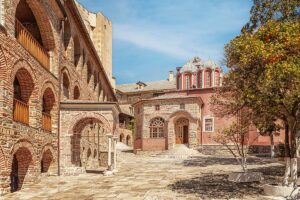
(244, 164)
(287, 172)
(272, 145)
(294, 167)
(287, 156)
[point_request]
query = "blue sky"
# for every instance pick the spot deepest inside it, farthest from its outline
(152, 37)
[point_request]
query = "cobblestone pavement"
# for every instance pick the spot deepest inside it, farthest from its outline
(155, 178)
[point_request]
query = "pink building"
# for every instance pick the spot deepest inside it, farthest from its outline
(183, 115)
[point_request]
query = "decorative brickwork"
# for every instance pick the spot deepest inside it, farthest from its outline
(30, 91)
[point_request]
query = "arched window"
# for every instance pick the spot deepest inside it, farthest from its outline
(76, 93)
(66, 86)
(23, 88)
(89, 72)
(217, 78)
(188, 81)
(67, 36)
(208, 77)
(95, 79)
(157, 126)
(77, 53)
(48, 103)
(179, 81)
(199, 79)
(33, 31)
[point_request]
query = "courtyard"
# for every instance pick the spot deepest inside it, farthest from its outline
(173, 175)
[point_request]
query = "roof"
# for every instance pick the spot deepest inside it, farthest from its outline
(174, 96)
(149, 86)
(197, 63)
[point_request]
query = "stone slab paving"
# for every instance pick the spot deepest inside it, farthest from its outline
(153, 178)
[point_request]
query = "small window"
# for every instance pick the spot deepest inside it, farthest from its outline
(182, 106)
(157, 107)
(208, 124)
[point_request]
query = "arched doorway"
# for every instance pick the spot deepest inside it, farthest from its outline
(128, 140)
(66, 86)
(88, 134)
(47, 106)
(21, 163)
(121, 137)
(182, 131)
(46, 161)
(23, 89)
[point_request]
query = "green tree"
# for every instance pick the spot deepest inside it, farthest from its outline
(264, 76)
(263, 11)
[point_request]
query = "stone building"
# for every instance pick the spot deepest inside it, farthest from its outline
(128, 94)
(183, 115)
(57, 102)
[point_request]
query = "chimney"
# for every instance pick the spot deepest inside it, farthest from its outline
(171, 76)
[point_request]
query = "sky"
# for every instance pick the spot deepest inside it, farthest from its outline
(152, 37)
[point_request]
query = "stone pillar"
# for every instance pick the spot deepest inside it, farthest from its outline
(115, 139)
(108, 172)
(203, 81)
(213, 78)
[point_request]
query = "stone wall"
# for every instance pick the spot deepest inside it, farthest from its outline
(100, 30)
(30, 147)
(170, 110)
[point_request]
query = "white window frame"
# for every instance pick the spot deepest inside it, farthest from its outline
(213, 124)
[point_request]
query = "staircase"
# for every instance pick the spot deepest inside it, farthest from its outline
(180, 151)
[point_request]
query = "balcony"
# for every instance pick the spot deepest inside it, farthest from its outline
(21, 112)
(46, 121)
(25, 38)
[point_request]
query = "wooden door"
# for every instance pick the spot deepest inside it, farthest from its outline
(179, 135)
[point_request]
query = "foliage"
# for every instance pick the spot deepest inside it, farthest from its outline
(265, 10)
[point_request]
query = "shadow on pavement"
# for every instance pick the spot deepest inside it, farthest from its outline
(216, 186)
(208, 161)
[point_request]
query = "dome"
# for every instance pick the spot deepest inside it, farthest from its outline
(192, 65)
(211, 64)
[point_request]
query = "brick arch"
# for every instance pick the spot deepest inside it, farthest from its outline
(79, 121)
(48, 159)
(66, 84)
(76, 90)
(22, 162)
(50, 148)
(3, 64)
(26, 76)
(48, 85)
(182, 114)
(26, 144)
(40, 13)
(19, 65)
(77, 50)
(2, 160)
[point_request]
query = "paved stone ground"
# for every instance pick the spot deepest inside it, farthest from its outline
(157, 178)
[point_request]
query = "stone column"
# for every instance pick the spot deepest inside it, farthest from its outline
(115, 139)
(108, 172)
(203, 77)
(213, 78)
